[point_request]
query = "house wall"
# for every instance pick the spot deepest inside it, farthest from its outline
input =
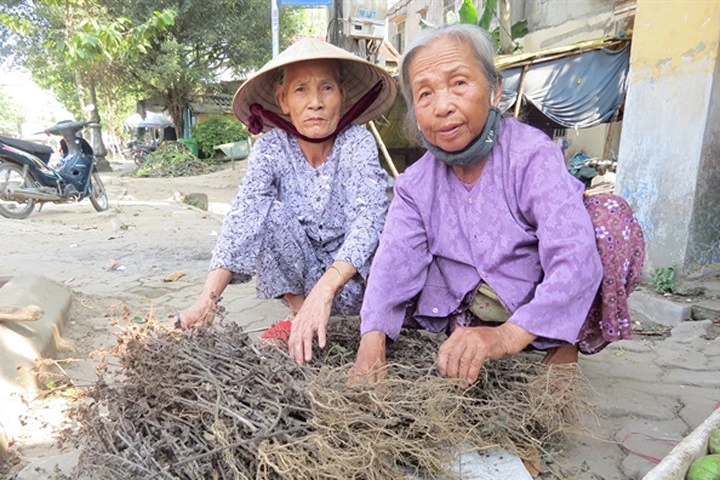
(551, 23)
(555, 23)
(669, 166)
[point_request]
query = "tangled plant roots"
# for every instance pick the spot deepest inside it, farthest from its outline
(211, 404)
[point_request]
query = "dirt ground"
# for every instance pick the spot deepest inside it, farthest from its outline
(119, 263)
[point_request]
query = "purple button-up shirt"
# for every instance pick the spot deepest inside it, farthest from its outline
(522, 228)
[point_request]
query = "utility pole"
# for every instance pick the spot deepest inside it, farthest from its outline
(275, 24)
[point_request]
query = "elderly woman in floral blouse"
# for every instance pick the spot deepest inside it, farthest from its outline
(310, 209)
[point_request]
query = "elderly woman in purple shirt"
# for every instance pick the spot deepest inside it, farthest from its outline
(488, 237)
(309, 211)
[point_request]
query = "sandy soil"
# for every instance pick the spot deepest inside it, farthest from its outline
(116, 263)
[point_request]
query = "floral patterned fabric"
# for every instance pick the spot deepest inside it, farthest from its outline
(290, 221)
(622, 252)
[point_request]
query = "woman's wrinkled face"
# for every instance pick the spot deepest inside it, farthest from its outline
(312, 96)
(450, 94)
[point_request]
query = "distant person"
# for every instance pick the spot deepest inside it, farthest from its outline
(310, 209)
(169, 134)
(489, 238)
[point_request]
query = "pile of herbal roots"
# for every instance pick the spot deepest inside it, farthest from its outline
(212, 404)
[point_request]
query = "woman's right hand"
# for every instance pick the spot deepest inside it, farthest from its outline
(370, 361)
(199, 314)
(202, 312)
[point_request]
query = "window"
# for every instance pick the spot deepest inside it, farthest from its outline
(400, 37)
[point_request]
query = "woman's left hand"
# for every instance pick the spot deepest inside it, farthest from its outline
(462, 355)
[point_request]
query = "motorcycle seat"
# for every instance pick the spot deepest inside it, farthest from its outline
(30, 147)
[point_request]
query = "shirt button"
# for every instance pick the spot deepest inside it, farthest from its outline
(435, 310)
(470, 200)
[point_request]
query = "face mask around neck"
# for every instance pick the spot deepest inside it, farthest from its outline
(476, 150)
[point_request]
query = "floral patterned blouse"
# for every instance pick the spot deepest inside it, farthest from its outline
(341, 204)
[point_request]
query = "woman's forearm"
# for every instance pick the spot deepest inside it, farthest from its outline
(215, 284)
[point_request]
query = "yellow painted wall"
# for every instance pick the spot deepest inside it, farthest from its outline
(668, 167)
(675, 35)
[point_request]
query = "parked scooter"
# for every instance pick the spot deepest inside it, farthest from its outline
(140, 151)
(26, 177)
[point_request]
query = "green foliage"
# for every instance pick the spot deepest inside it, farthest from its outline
(216, 130)
(173, 159)
(489, 10)
(663, 280)
(468, 14)
(68, 46)
(167, 50)
(11, 115)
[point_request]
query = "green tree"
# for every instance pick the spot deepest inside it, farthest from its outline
(72, 47)
(209, 38)
(216, 130)
(11, 116)
(469, 14)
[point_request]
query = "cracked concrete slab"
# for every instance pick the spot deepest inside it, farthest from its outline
(22, 343)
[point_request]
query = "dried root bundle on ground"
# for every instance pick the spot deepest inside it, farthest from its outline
(212, 404)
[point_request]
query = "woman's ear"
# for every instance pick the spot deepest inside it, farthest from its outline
(495, 94)
(280, 97)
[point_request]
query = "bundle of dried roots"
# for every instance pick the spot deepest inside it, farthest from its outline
(212, 404)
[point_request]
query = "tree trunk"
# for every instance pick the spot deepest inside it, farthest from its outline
(506, 42)
(175, 102)
(96, 139)
(176, 112)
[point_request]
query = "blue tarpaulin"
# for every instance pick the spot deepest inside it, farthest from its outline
(576, 91)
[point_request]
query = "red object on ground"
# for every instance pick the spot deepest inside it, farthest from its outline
(280, 332)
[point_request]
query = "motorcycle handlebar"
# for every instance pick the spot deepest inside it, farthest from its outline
(72, 126)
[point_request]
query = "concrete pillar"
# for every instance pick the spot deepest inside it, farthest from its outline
(669, 157)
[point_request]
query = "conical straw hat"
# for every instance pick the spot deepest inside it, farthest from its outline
(358, 77)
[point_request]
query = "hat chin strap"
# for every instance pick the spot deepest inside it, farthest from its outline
(257, 113)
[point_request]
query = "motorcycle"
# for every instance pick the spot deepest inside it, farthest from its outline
(139, 151)
(26, 177)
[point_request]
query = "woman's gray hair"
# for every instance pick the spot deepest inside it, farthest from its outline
(471, 35)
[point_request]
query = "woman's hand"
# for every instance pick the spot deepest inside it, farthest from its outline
(200, 314)
(370, 360)
(462, 355)
(313, 316)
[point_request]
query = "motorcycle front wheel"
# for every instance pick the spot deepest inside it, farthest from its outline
(98, 195)
(139, 157)
(12, 177)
